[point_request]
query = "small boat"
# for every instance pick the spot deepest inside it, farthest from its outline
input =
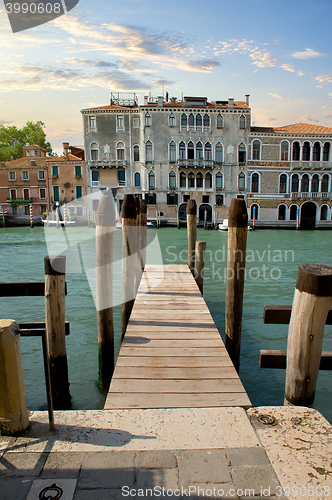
(59, 222)
(119, 224)
(224, 225)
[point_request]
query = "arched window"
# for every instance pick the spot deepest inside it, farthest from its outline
(172, 152)
(147, 120)
(219, 180)
(256, 150)
(242, 153)
(120, 152)
(282, 212)
(199, 151)
(206, 120)
(191, 151)
(325, 184)
(254, 211)
(184, 120)
(306, 151)
(254, 183)
(296, 151)
(183, 180)
(199, 180)
(242, 181)
(136, 152)
(199, 122)
(305, 183)
(171, 120)
(172, 179)
(208, 151)
(284, 152)
(191, 122)
(182, 151)
(326, 151)
(315, 183)
(219, 153)
(208, 181)
(148, 151)
(242, 122)
(152, 179)
(220, 121)
(323, 212)
(293, 212)
(137, 179)
(94, 151)
(191, 180)
(295, 183)
(283, 183)
(316, 152)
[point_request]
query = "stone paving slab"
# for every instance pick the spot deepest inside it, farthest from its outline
(299, 447)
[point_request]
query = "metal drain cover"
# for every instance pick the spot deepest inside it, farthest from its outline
(266, 419)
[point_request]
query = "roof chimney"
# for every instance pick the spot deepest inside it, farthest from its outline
(247, 98)
(146, 98)
(160, 101)
(65, 146)
(231, 102)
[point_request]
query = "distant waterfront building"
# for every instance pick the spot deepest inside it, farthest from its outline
(168, 151)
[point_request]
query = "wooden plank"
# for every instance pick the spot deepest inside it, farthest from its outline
(277, 359)
(164, 400)
(166, 343)
(177, 386)
(37, 328)
(170, 351)
(173, 361)
(183, 373)
(176, 334)
(280, 315)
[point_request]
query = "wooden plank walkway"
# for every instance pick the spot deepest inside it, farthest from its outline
(172, 355)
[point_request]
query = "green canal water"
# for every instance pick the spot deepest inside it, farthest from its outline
(273, 257)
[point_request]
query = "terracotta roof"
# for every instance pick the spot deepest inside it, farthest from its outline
(109, 106)
(296, 128)
(26, 162)
(57, 159)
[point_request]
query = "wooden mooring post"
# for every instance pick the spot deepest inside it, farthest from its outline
(143, 232)
(199, 264)
(105, 224)
(236, 258)
(129, 233)
(192, 233)
(55, 286)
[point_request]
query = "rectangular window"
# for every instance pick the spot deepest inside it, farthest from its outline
(205, 198)
(136, 123)
(56, 196)
(150, 199)
(12, 176)
(186, 197)
(219, 200)
(26, 210)
(12, 194)
(121, 177)
(120, 123)
(42, 193)
(95, 175)
(92, 122)
(43, 209)
(41, 175)
(26, 194)
(79, 211)
(78, 171)
(55, 171)
(78, 192)
(14, 210)
(172, 199)
(25, 175)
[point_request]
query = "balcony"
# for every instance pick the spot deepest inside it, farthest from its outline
(311, 196)
(107, 163)
(19, 202)
(195, 163)
(311, 165)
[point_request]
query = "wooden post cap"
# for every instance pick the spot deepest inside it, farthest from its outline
(238, 215)
(143, 207)
(191, 207)
(105, 215)
(138, 205)
(55, 265)
(129, 207)
(315, 279)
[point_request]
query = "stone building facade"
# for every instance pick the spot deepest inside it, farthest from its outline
(168, 151)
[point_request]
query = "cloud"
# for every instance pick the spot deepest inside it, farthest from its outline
(307, 54)
(306, 118)
(328, 117)
(287, 67)
(263, 59)
(324, 79)
(91, 62)
(201, 66)
(277, 96)
(330, 94)
(272, 119)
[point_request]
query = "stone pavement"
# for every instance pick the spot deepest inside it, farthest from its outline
(170, 453)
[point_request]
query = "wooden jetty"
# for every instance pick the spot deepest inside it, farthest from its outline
(172, 355)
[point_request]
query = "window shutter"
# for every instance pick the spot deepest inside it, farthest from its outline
(146, 198)
(154, 199)
(168, 199)
(176, 199)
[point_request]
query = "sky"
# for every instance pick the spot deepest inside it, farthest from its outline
(279, 52)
